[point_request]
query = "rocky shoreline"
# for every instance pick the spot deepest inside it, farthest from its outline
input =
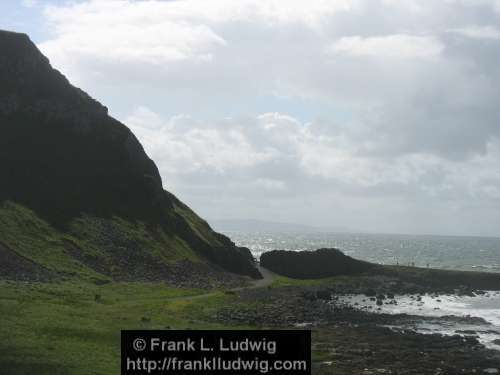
(348, 340)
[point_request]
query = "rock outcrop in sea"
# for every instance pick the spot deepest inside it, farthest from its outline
(312, 264)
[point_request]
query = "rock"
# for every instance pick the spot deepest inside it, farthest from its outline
(490, 371)
(308, 295)
(467, 332)
(312, 264)
(323, 295)
(370, 293)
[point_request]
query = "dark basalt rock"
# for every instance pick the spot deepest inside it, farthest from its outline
(62, 155)
(16, 267)
(312, 264)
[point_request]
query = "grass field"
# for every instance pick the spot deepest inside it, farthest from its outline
(70, 328)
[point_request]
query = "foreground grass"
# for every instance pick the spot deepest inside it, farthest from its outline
(74, 328)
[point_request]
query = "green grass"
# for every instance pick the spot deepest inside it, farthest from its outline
(31, 237)
(72, 325)
(282, 281)
(199, 226)
(59, 328)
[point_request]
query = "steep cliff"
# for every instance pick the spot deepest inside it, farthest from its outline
(63, 156)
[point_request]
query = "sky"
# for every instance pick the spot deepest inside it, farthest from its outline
(373, 115)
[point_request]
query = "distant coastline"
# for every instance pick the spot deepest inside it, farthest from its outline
(252, 225)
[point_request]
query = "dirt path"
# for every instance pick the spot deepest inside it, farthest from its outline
(267, 279)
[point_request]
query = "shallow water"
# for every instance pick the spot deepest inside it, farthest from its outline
(485, 306)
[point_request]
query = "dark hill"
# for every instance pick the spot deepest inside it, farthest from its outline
(62, 156)
(312, 264)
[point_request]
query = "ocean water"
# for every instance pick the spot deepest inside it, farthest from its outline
(446, 252)
(486, 307)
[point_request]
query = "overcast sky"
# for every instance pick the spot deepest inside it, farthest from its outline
(376, 115)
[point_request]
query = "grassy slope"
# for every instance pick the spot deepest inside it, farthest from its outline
(58, 327)
(30, 236)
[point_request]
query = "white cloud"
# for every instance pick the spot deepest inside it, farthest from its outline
(304, 176)
(364, 108)
(123, 31)
(162, 31)
(414, 6)
(480, 32)
(269, 184)
(277, 152)
(390, 46)
(183, 145)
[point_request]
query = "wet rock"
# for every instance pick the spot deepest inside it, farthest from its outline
(323, 294)
(370, 293)
(490, 371)
(309, 295)
(466, 332)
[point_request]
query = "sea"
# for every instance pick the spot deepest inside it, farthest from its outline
(444, 252)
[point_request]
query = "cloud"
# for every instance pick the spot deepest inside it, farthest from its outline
(159, 32)
(183, 145)
(141, 33)
(372, 113)
(390, 46)
(30, 3)
(479, 32)
(277, 152)
(275, 162)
